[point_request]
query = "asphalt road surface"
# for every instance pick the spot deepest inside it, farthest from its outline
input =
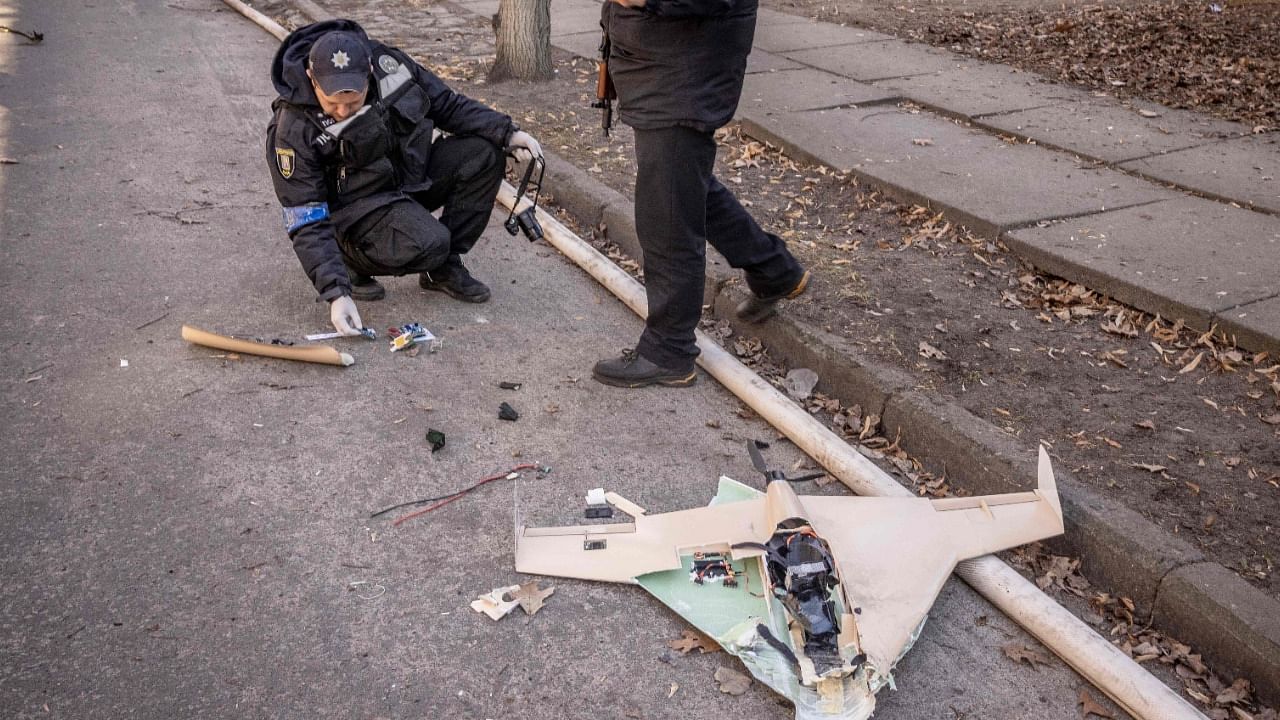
(187, 536)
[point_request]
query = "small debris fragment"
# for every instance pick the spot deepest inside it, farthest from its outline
(510, 385)
(124, 363)
(506, 412)
(494, 603)
(435, 439)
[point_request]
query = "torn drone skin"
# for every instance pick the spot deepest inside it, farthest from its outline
(848, 580)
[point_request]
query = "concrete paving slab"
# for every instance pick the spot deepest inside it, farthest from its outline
(877, 61)
(1104, 129)
(1144, 256)
(574, 18)
(582, 44)
(805, 89)
(973, 88)
(1245, 170)
(760, 61)
(810, 34)
(1255, 325)
(981, 181)
(772, 17)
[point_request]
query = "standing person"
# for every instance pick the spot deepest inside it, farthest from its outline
(678, 67)
(358, 170)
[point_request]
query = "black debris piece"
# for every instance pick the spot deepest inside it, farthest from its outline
(435, 438)
(506, 412)
(510, 385)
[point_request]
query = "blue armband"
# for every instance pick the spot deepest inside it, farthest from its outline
(304, 215)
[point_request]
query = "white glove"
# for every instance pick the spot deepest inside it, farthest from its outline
(344, 316)
(524, 147)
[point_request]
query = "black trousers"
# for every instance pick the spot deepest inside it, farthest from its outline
(680, 207)
(404, 237)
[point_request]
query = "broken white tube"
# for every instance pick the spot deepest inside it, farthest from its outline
(259, 19)
(1111, 671)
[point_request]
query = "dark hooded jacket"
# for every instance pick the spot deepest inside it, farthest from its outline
(329, 174)
(679, 62)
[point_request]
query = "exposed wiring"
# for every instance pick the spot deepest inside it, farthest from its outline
(446, 499)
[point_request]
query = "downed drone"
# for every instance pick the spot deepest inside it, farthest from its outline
(819, 596)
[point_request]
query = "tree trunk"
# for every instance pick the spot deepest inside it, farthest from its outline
(523, 29)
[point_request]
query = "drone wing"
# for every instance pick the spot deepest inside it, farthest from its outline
(621, 552)
(895, 554)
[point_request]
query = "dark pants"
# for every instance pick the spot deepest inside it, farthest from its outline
(404, 237)
(680, 207)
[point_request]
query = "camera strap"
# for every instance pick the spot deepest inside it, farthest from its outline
(525, 181)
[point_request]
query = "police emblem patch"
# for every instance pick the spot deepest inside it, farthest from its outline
(284, 161)
(388, 64)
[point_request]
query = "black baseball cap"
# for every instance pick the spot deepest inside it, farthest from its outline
(339, 62)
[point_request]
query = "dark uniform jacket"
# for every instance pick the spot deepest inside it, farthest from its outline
(329, 174)
(679, 62)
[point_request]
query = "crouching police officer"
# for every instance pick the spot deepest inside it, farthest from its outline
(358, 172)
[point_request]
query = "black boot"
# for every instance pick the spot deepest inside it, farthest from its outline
(453, 279)
(758, 309)
(633, 371)
(365, 288)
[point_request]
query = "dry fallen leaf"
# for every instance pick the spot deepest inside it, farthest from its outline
(1192, 365)
(530, 596)
(1022, 653)
(1089, 706)
(1272, 419)
(1239, 691)
(731, 681)
(1149, 467)
(931, 352)
(692, 639)
(922, 142)
(1145, 424)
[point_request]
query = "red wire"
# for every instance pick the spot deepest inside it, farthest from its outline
(460, 493)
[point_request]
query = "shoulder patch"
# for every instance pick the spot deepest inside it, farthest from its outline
(388, 64)
(284, 162)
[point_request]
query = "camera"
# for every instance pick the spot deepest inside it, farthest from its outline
(526, 220)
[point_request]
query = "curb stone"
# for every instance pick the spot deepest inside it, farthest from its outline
(1121, 550)
(1233, 624)
(1244, 634)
